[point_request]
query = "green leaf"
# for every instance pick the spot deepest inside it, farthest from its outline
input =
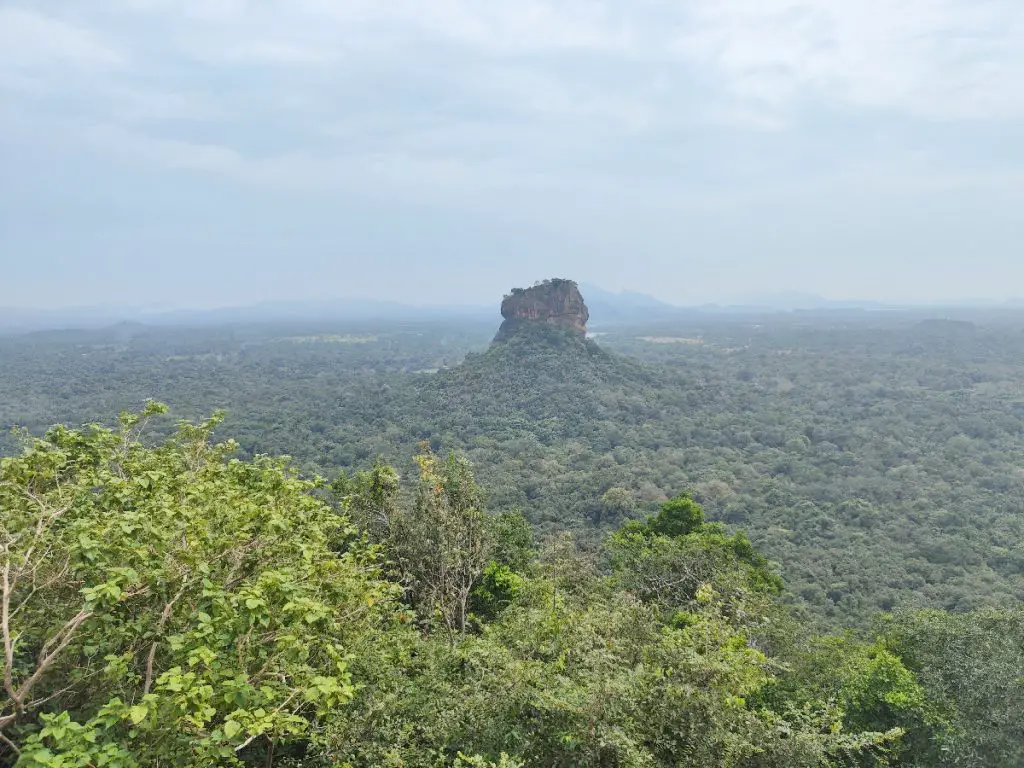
(231, 728)
(138, 713)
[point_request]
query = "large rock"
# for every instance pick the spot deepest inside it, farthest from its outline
(557, 303)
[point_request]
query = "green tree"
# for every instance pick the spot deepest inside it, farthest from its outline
(440, 545)
(869, 688)
(615, 504)
(371, 498)
(172, 605)
(971, 669)
(580, 668)
(677, 517)
(511, 540)
(591, 677)
(673, 558)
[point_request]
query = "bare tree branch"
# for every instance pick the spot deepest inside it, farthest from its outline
(9, 743)
(164, 617)
(46, 659)
(5, 630)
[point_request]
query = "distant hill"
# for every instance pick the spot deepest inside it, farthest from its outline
(18, 320)
(607, 308)
(24, 320)
(278, 311)
(794, 300)
(610, 308)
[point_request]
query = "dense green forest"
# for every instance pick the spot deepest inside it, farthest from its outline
(875, 457)
(168, 603)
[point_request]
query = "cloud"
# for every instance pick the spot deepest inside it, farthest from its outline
(928, 59)
(655, 95)
(171, 153)
(502, 27)
(30, 40)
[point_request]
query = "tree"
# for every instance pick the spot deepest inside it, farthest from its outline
(677, 517)
(371, 498)
(172, 605)
(440, 545)
(591, 676)
(869, 688)
(510, 537)
(970, 669)
(674, 560)
(615, 504)
(175, 606)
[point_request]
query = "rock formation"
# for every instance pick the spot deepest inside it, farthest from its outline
(556, 303)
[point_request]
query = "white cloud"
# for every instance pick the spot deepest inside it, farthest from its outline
(492, 27)
(172, 153)
(522, 26)
(931, 59)
(320, 91)
(33, 40)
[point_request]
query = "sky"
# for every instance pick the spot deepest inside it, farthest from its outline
(201, 153)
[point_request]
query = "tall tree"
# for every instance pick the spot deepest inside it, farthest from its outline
(441, 543)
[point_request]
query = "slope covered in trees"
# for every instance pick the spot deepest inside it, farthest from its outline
(170, 604)
(869, 494)
(876, 458)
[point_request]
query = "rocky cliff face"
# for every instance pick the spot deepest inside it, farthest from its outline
(555, 303)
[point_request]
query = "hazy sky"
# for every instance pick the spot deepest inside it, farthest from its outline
(212, 152)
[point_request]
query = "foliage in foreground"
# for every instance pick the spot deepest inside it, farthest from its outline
(174, 606)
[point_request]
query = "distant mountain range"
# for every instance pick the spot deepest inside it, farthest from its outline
(790, 301)
(610, 308)
(26, 320)
(606, 308)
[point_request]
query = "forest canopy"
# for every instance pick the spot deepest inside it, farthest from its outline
(169, 603)
(876, 457)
